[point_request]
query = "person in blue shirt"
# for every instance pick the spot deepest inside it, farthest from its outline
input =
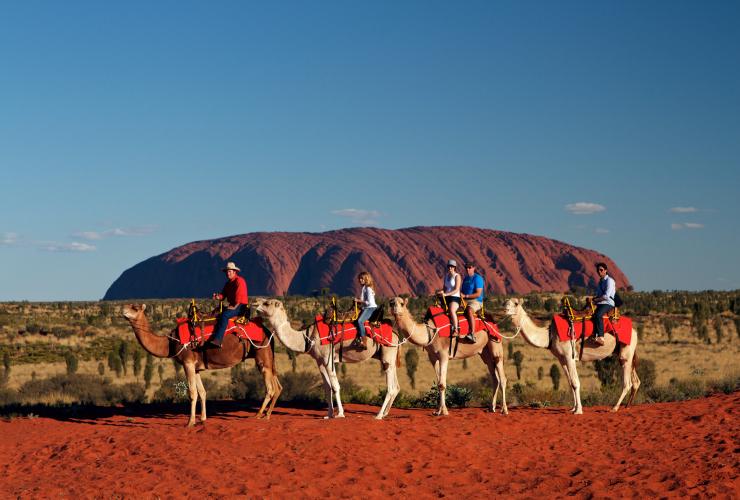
(472, 291)
(604, 300)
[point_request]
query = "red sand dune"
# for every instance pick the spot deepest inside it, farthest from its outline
(670, 449)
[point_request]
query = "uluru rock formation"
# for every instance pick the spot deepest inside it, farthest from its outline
(407, 260)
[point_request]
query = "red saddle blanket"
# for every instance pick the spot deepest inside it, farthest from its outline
(347, 330)
(253, 330)
(622, 327)
(442, 321)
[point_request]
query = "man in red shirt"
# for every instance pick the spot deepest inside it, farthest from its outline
(235, 293)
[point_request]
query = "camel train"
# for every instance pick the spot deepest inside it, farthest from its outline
(309, 340)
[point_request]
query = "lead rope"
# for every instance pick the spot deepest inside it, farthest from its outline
(519, 329)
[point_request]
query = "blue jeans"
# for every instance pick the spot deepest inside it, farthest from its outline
(364, 316)
(598, 319)
(223, 321)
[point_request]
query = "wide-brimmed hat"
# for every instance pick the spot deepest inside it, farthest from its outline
(230, 266)
(452, 262)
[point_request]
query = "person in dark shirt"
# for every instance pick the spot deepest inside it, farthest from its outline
(235, 293)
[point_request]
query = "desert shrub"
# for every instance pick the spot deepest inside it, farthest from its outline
(303, 387)
(518, 359)
(455, 397)
(647, 373)
(137, 362)
(172, 389)
(101, 369)
(84, 389)
(71, 362)
(246, 384)
(8, 397)
(555, 376)
(412, 363)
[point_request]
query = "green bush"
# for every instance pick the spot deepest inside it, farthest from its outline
(455, 397)
(83, 389)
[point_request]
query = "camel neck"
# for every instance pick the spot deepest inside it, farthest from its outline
(156, 345)
(292, 339)
(536, 335)
(415, 331)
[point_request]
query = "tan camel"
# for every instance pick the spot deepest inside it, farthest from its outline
(547, 338)
(438, 351)
(275, 318)
(231, 354)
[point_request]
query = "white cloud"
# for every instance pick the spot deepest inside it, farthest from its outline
(118, 231)
(584, 208)
(684, 210)
(601, 230)
(9, 239)
(359, 216)
(686, 225)
(67, 247)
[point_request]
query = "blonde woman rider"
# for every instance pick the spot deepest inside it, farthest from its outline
(367, 302)
(451, 293)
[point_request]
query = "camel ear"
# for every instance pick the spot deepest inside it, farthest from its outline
(405, 301)
(143, 307)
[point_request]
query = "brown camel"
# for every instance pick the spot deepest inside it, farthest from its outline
(437, 348)
(232, 353)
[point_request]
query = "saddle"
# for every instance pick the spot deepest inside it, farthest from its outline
(441, 320)
(574, 324)
(195, 329)
(335, 332)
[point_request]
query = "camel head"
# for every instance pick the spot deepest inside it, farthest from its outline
(272, 311)
(512, 307)
(132, 312)
(398, 306)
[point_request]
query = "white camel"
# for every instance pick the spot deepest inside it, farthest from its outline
(275, 318)
(438, 351)
(547, 338)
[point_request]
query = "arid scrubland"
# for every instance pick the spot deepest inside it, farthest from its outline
(683, 337)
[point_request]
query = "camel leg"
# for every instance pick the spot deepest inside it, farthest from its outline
(278, 389)
(575, 384)
(267, 377)
(335, 387)
(327, 388)
(391, 381)
(635, 384)
(192, 390)
(626, 381)
(563, 359)
(202, 396)
(443, 386)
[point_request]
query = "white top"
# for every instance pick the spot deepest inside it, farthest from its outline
(368, 296)
(450, 283)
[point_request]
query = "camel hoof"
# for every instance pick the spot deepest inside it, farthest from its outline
(378, 417)
(341, 415)
(190, 424)
(615, 409)
(579, 412)
(505, 412)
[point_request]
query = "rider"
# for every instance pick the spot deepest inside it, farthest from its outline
(367, 301)
(604, 300)
(235, 292)
(472, 291)
(451, 292)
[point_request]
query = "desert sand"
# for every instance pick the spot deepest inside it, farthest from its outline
(669, 449)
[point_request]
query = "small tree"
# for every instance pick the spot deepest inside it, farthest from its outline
(293, 360)
(412, 363)
(123, 353)
(112, 361)
(71, 361)
(160, 372)
(540, 373)
(148, 372)
(718, 328)
(6, 366)
(101, 369)
(668, 326)
(465, 364)
(555, 376)
(510, 347)
(137, 362)
(518, 358)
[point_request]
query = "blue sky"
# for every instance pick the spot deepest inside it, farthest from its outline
(130, 128)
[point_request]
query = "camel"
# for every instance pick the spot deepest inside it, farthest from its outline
(438, 351)
(194, 361)
(547, 338)
(275, 318)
